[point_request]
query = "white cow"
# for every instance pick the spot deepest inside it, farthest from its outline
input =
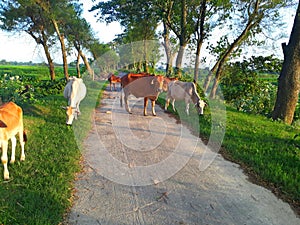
(178, 90)
(11, 124)
(74, 91)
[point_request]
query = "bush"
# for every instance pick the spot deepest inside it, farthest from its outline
(27, 89)
(243, 89)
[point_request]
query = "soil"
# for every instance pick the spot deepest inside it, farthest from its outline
(145, 170)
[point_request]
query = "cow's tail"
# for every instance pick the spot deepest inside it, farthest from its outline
(24, 136)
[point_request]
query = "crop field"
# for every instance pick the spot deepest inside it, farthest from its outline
(40, 189)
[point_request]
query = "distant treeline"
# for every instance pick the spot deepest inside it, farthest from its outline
(30, 63)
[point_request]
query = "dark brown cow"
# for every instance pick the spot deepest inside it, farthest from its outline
(113, 80)
(142, 86)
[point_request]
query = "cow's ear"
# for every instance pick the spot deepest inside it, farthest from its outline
(64, 107)
(2, 124)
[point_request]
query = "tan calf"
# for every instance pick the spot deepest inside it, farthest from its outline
(11, 124)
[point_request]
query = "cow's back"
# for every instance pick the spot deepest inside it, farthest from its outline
(12, 116)
(139, 86)
(179, 90)
(74, 91)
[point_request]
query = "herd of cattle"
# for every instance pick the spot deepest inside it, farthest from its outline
(141, 85)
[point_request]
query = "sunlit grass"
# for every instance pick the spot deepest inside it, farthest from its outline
(40, 188)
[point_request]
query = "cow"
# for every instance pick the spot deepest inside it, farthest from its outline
(11, 124)
(113, 80)
(141, 85)
(167, 81)
(74, 91)
(179, 90)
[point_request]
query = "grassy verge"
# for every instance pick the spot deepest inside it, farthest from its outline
(267, 150)
(40, 188)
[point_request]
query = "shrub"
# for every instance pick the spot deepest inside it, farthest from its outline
(27, 89)
(243, 89)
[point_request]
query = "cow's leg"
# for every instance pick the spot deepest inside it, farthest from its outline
(145, 106)
(153, 107)
(126, 103)
(22, 143)
(121, 98)
(187, 107)
(13, 149)
(4, 159)
(167, 103)
(173, 104)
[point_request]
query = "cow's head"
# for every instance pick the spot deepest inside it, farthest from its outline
(200, 106)
(71, 114)
(158, 82)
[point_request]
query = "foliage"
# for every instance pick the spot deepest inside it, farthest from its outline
(22, 89)
(243, 88)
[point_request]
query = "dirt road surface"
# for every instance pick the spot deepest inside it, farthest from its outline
(129, 179)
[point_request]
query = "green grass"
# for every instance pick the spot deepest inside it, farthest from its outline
(39, 72)
(40, 188)
(267, 147)
(267, 150)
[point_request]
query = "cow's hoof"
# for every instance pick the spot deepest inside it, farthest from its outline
(22, 158)
(6, 176)
(12, 161)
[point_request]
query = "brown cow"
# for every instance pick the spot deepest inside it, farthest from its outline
(141, 85)
(11, 124)
(113, 80)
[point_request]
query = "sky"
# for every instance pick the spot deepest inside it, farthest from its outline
(21, 47)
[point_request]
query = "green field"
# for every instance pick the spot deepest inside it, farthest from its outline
(40, 189)
(39, 72)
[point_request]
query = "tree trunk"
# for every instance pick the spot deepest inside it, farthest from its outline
(289, 79)
(178, 65)
(197, 62)
(200, 38)
(78, 65)
(84, 59)
(86, 63)
(255, 18)
(63, 48)
(209, 77)
(183, 39)
(43, 42)
(168, 50)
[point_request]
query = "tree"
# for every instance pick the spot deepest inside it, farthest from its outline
(169, 41)
(79, 32)
(139, 21)
(59, 11)
(251, 14)
(28, 17)
(289, 79)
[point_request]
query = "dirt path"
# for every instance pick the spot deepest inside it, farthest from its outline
(125, 151)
